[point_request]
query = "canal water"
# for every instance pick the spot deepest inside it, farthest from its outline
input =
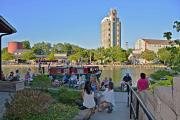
(116, 73)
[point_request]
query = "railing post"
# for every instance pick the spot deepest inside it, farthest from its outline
(137, 109)
(128, 97)
(130, 104)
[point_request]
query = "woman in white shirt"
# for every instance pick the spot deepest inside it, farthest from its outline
(108, 99)
(88, 97)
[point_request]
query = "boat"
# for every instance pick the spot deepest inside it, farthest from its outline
(77, 70)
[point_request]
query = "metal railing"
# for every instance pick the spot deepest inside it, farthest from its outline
(135, 102)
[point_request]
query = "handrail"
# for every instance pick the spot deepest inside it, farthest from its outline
(135, 111)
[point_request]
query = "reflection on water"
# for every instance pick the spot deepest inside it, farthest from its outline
(116, 73)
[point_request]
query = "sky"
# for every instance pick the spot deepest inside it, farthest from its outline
(78, 21)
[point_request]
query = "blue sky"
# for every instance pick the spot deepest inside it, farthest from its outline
(78, 21)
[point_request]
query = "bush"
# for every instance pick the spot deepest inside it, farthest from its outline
(57, 112)
(167, 82)
(160, 74)
(68, 96)
(27, 103)
(41, 82)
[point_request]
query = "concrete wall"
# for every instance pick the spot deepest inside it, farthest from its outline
(164, 103)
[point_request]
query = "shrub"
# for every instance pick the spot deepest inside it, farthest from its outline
(26, 103)
(57, 112)
(167, 82)
(160, 74)
(68, 96)
(41, 82)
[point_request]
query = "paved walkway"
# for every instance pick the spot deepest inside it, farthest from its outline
(120, 112)
(3, 97)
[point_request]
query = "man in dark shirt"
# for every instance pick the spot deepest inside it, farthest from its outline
(127, 78)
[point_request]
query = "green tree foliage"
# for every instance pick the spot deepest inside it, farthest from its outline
(167, 35)
(66, 48)
(148, 55)
(42, 48)
(29, 55)
(177, 26)
(26, 44)
(51, 56)
(129, 51)
(164, 55)
(4, 50)
(7, 56)
(75, 57)
(177, 42)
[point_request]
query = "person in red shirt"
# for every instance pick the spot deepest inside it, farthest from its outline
(142, 83)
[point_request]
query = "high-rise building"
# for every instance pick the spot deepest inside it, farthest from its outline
(111, 30)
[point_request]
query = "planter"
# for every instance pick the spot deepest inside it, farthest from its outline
(7, 86)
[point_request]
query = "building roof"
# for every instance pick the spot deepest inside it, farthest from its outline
(105, 19)
(5, 27)
(22, 50)
(155, 41)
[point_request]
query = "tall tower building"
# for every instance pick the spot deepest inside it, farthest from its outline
(111, 30)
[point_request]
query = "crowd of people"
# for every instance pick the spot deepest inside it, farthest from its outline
(16, 76)
(100, 101)
(93, 97)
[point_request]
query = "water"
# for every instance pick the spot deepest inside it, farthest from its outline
(116, 73)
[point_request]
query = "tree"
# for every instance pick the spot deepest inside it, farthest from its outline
(42, 48)
(167, 35)
(148, 55)
(7, 56)
(129, 51)
(4, 50)
(51, 56)
(177, 42)
(176, 25)
(164, 55)
(29, 55)
(26, 44)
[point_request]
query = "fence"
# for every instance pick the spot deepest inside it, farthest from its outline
(135, 102)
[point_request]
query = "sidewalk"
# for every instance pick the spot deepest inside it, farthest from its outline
(3, 97)
(120, 112)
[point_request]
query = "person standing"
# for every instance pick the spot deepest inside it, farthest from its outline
(17, 75)
(126, 79)
(2, 76)
(142, 83)
(49, 67)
